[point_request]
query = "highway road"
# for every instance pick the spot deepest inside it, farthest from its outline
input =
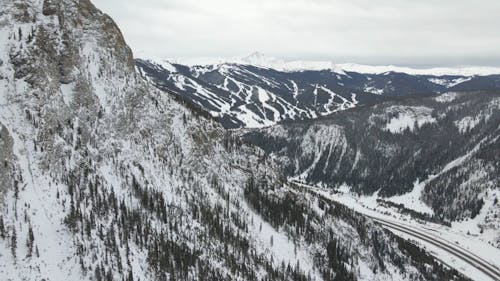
(419, 234)
(459, 252)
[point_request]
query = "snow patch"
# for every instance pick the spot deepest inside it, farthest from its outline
(408, 118)
(373, 90)
(412, 200)
(467, 123)
(448, 83)
(446, 97)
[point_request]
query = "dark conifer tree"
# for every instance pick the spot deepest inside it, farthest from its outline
(13, 242)
(29, 241)
(2, 228)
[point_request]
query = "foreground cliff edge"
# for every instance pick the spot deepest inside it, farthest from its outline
(105, 178)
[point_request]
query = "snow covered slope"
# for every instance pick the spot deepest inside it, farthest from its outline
(264, 61)
(246, 96)
(106, 178)
(258, 91)
(436, 158)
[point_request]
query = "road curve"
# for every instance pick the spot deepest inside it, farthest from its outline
(480, 264)
(457, 251)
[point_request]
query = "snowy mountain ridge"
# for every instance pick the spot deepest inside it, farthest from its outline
(435, 158)
(104, 177)
(249, 94)
(261, 60)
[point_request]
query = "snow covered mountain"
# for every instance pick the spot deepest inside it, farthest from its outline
(258, 91)
(264, 61)
(106, 178)
(437, 158)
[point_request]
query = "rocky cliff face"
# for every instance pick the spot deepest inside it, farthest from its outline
(106, 178)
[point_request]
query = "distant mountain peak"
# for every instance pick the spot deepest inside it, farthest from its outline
(260, 59)
(255, 55)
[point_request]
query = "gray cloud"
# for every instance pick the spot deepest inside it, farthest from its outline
(424, 32)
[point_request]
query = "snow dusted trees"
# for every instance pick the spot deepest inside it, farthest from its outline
(10, 233)
(338, 257)
(310, 220)
(13, 243)
(2, 228)
(29, 241)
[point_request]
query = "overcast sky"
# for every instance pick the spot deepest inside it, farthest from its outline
(404, 32)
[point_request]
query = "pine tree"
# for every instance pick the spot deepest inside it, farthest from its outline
(29, 241)
(97, 274)
(16, 190)
(13, 242)
(2, 228)
(130, 276)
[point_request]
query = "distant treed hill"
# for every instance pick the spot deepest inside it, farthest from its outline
(450, 141)
(246, 96)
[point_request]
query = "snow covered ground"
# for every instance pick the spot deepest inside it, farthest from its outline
(408, 117)
(261, 60)
(456, 234)
(279, 245)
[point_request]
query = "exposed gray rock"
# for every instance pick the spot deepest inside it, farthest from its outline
(21, 66)
(6, 177)
(50, 7)
(93, 151)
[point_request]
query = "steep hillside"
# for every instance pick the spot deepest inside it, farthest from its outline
(248, 94)
(105, 178)
(443, 149)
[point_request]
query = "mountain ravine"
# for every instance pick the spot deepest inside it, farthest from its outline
(445, 149)
(104, 177)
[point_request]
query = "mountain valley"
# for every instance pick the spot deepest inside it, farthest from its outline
(117, 168)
